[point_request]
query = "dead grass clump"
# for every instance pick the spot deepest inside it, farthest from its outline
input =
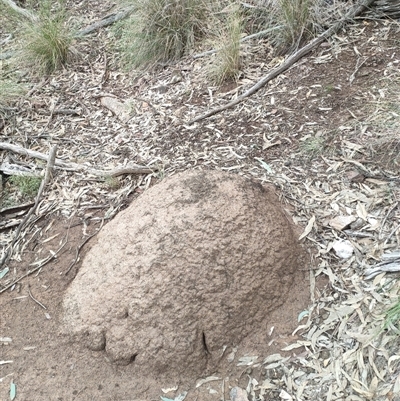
(294, 21)
(162, 30)
(10, 91)
(226, 63)
(46, 42)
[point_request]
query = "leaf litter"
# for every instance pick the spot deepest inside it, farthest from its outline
(344, 351)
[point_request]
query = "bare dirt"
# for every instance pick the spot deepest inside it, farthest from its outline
(47, 364)
(332, 97)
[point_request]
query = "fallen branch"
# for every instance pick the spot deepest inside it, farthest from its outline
(15, 169)
(106, 21)
(354, 12)
(49, 168)
(386, 9)
(27, 14)
(130, 169)
(390, 264)
(6, 55)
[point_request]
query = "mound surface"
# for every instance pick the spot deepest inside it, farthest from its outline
(192, 266)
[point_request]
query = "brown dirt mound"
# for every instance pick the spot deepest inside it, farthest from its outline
(190, 269)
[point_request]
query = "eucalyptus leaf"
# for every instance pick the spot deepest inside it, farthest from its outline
(13, 391)
(4, 272)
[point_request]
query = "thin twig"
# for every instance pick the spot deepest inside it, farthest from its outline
(130, 169)
(385, 218)
(49, 166)
(35, 88)
(356, 10)
(50, 258)
(358, 66)
(391, 233)
(34, 299)
(78, 249)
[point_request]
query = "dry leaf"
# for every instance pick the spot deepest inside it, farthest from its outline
(308, 228)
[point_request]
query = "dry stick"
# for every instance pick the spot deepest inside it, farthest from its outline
(34, 299)
(130, 169)
(106, 21)
(35, 88)
(50, 258)
(385, 218)
(78, 249)
(27, 14)
(49, 167)
(355, 11)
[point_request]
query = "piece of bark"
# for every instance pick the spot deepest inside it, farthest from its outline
(339, 223)
(15, 169)
(355, 176)
(120, 109)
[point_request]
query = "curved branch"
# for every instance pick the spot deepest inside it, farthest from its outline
(354, 12)
(106, 21)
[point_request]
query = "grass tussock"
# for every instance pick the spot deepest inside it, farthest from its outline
(226, 63)
(163, 30)
(294, 21)
(10, 91)
(313, 146)
(27, 186)
(46, 43)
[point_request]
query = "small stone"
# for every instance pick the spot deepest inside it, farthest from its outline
(355, 176)
(344, 249)
(238, 394)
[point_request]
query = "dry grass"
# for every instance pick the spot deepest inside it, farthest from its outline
(10, 91)
(46, 44)
(382, 119)
(226, 63)
(294, 19)
(163, 30)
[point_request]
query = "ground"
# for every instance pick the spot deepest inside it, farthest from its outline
(325, 134)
